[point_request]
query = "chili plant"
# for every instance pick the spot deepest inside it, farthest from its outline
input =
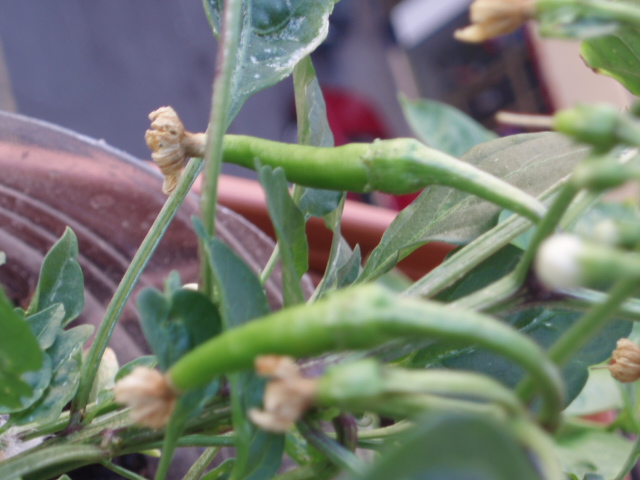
(477, 370)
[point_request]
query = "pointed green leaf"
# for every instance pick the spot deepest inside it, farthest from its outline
(47, 324)
(61, 279)
(455, 447)
(19, 353)
(276, 34)
(532, 162)
(289, 225)
(66, 359)
(242, 300)
(443, 127)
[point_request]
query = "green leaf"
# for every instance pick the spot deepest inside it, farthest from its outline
(66, 359)
(176, 324)
(544, 326)
(616, 55)
(600, 394)
(289, 225)
(19, 353)
(3, 258)
(455, 447)
(222, 471)
(444, 127)
(276, 34)
(532, 162)
(61, 279)
(47, 324)
(584, 451)
(149, 361)
(242, 300)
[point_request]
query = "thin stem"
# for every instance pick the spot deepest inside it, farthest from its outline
(218, 124)
(537, 441)
(123, 472)
(126, 286)
(200, 465)
(53, 459)
(271, 264)
(631, 460)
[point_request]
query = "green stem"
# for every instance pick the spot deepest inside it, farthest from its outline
(391, 166)
(537, 441)
(50, 458)
(584, 329)
(126, 286)
(123, 472)
(631, 460)
(200, 465)
(361, 318)
(218, 124)
(582, 299)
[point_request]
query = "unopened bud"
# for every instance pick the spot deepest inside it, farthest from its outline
(149, 395)
(593, 124)
(557, 262)
(491, 18)
(625, 361)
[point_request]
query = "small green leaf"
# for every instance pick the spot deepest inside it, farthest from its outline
(584, 451)
(222, 471)
(66, 359)
(455, 447)
(149, 361)
(61, 279)
(532, 162)
(275, 35)
(444, 127)
(242, 300)
(47, 324)
(616, 55)
(289, 225)
(19, 353)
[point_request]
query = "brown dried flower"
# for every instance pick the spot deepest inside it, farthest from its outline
(149, 395)
(492, 18)
(625, 361)
(287, 396)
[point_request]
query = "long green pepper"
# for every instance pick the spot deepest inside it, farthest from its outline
(362, 318)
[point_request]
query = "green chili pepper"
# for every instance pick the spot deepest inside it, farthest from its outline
(391, 166)
(362, 318)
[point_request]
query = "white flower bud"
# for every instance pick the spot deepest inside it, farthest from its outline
(491, 18)
(558, 261)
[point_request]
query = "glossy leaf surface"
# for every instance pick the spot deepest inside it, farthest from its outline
(276, 35)
(242, 300)
(19, 353)
(444, 127)
(532, 162)
(61, 279)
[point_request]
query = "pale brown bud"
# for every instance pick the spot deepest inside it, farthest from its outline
(492, 18)
(625, 361)
(287, 396)
(149, 395)
(171, 145)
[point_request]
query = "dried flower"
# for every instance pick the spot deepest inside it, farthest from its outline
(491, 18)
(171, 145)
(149, 395)
(287, 396)
(625, 364)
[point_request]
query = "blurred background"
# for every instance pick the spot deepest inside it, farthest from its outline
(100, 67)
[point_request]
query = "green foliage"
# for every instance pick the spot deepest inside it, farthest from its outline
(275, 36)
(289, 225)
(242, 300)
(616, 55)
(61, 279)
(455, 447)
(19, 353)
(532, 162)
(444, 127)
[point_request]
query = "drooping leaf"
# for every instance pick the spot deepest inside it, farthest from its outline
(542, 325)
(289, 225)
(532, 162)
(586, 452)
(19, 353)
(276, 35)
(455, 447)
(242, 300)
(66, 360)
(61, 279)
(444, 127)
(616, 55)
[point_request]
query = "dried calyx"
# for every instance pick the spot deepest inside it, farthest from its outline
(492, 18)
(171, 145)
(287, 396)
(625, 361)
(150, 396)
